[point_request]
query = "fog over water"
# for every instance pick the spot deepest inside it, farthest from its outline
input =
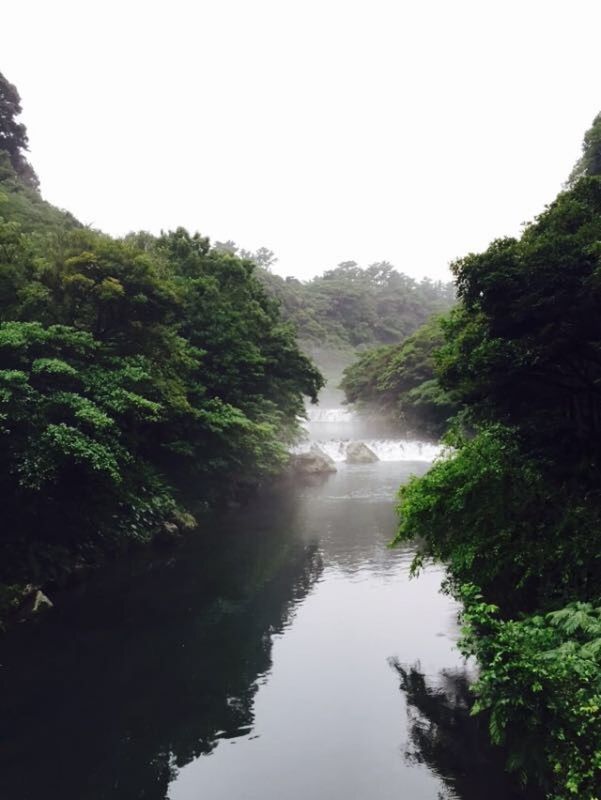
(281, 652)
(334, 428)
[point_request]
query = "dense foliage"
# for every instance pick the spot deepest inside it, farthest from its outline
(525, 347)
(589, 162)
(13, 134)
(349, 306)
(541, 687)
(399, 381)
(138, 378)
(515, 510)
(494, 512)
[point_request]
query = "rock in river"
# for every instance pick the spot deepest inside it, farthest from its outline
(360, 453)
(313, 463)
(34, 602)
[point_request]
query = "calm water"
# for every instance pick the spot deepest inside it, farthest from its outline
(284, 654)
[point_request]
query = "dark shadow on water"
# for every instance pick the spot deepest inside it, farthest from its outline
(128, 680)
(153, 662)
(452, 743)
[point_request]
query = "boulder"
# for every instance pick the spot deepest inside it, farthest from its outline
(41, 602)
(170, 528)
(34, 603)
(360, 453)
(315, 462)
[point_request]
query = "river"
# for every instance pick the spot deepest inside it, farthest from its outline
(283, 653)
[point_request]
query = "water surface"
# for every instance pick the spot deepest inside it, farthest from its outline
(281, 654)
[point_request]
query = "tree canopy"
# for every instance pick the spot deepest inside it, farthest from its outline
(351, 306)
(589, 163)
(524, 348)
(13, 134)
(400, 382)
(140, 379)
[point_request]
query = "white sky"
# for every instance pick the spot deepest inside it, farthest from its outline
(327, 131)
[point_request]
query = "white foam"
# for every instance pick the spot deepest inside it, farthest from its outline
(347, 426)
(316, 414)
(385, 449)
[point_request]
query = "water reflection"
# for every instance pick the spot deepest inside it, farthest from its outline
(453, 744)
(251, 663)
(128, 682)
(352, 515)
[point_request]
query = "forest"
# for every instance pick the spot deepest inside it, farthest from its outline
(513, 374)
(399, 381)
(350, 307)
(132, 369)
(148, 379)
(163, 375)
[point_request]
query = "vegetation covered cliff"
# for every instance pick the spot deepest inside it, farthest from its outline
(515, 509)
(139, 378)
(399, 381)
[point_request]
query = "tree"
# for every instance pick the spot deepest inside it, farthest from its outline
(400, 382)
(131, 370)
(524, 349)
(13, 134)
(226, 247)
(515, 509)
(263, 257)
(72, 420)
(589, 162)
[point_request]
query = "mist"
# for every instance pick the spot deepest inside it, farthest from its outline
(323, 131)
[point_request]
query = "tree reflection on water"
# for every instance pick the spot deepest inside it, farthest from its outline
(449, 741)
(126, 683)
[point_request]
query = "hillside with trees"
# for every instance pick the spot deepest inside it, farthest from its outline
(340, 313)
(350, 307)
(514, 509)
(130, 371)
(399, 382)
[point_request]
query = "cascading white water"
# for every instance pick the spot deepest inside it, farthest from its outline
(334, 429)
(385, 449)
(329, 414)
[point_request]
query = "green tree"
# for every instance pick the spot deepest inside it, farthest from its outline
(525, 347)
(589, 163)
(515, 509)
(349, 307)
(249, 353)
(400, 381)
(263, 257)
(13, 134)
(73, 419)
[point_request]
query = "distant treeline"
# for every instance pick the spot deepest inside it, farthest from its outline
(350, 306)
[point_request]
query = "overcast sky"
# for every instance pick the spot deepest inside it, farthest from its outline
(327, 131)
